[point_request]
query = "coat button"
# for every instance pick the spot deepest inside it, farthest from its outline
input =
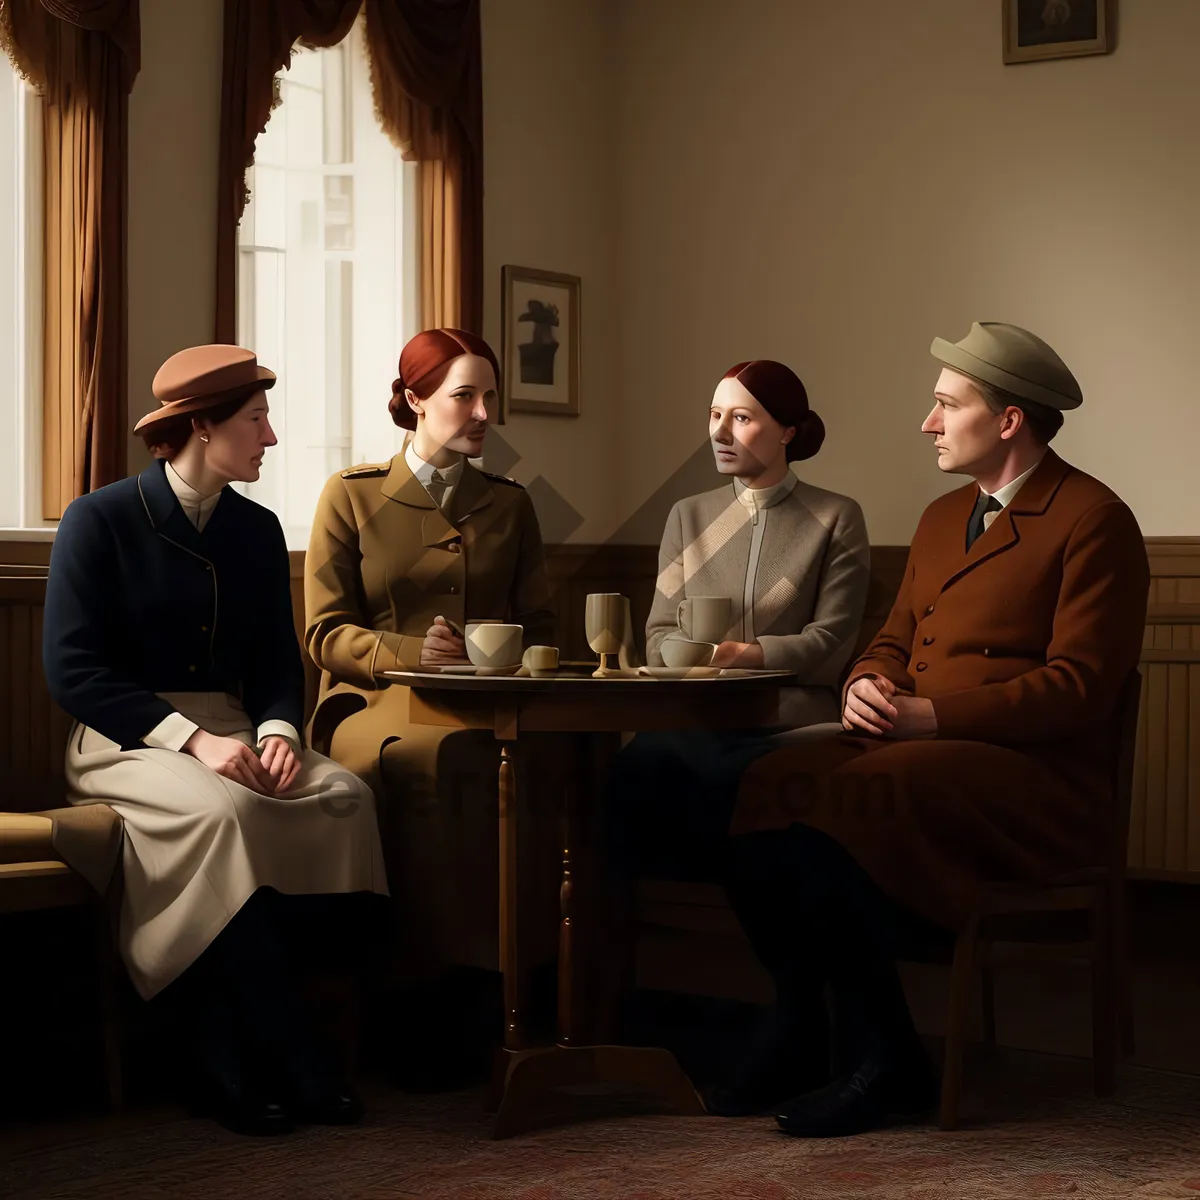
(921, 666)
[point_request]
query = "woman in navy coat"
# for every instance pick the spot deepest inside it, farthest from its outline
(169, 638)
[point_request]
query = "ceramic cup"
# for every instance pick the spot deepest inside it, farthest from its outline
(540, 658)
(676, 652)
(491, 644)
(704, 618)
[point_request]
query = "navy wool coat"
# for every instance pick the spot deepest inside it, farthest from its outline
(139, 602)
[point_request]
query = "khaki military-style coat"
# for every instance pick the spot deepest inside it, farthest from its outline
(1023, 644)
(383, 561)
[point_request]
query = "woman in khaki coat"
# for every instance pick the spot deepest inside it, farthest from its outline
(403, 554)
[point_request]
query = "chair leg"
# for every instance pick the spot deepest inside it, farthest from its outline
(1104, 1007)
(109, 978)
(988, 980)
(1123, 970)
(956, 1025)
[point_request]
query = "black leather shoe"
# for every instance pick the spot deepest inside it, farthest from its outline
(338, 1105)
(318, 1094)
(782, 1063)
(862, 1100)
(239, 1108)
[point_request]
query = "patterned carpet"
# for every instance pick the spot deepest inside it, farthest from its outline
(1031, 1129)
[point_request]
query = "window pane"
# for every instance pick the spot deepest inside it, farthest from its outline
(306, 127)
(327, 295)
(339, 212)
(338, 140)
(270, 206)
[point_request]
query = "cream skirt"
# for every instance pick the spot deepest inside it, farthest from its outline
(198, 845)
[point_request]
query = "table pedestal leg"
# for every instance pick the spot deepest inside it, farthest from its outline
(521, 1075)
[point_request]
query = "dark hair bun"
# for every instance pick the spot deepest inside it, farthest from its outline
(808, 439)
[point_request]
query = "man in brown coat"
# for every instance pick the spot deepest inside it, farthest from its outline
(977, 745)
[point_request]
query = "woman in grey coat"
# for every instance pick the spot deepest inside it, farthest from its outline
(794, 561)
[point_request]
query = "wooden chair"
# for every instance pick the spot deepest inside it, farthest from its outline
(34, 828)
(1098, 893)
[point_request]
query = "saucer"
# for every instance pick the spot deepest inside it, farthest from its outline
(471, 669)
(680, 672)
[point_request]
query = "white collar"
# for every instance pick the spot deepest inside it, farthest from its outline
(1009, 490)
(424, 471)
(760, 498)
(196, 506)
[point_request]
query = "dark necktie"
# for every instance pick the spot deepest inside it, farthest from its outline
(436, 487)
(985, 504)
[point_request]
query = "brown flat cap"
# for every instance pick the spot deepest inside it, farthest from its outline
(204, 377)
(1014, 359)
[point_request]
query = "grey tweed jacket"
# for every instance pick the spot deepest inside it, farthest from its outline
(809, 584)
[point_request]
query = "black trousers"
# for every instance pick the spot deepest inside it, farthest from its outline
(816, 919)
(669, 801)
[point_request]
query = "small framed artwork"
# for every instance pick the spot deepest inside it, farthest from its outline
(539, 341)
(1039, 29)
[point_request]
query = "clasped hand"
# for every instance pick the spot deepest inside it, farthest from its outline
(874, 708)
(270, 775)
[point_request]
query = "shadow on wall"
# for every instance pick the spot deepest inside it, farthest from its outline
(559, 520)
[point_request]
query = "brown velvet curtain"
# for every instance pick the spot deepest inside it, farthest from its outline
(426, 75)
(82, 56)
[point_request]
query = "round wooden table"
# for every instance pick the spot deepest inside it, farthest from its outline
(570, 701)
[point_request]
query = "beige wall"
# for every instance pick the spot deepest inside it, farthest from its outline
(853, 180)
(550, 202)
(174, 119)
(835, 184)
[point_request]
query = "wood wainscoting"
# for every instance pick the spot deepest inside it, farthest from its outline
(1164, 830)
(1164, 838)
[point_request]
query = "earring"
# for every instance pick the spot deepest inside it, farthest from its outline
(204, 437)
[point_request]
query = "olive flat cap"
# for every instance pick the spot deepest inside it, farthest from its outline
(1012, 358)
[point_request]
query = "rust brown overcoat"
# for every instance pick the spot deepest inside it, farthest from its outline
(383, 561)
(1023, 644)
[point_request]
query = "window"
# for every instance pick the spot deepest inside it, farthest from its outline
(20, 303)
(327, 277)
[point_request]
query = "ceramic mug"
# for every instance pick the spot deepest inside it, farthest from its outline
(492, 644)
(704, 618)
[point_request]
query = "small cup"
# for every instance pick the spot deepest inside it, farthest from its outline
(540, 660)
(492, 644)
(679, 652)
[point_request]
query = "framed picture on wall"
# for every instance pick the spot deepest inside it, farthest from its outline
(1039, 29)
(539, 341)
